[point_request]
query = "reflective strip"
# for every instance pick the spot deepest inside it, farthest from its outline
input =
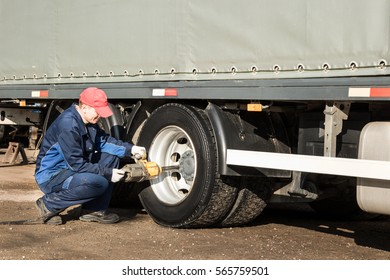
(40, 93)
(164, 92)
(369, 92)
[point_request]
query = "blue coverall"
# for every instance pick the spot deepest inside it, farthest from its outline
(75, 163)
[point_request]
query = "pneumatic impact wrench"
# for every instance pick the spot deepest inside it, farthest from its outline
(143, 170)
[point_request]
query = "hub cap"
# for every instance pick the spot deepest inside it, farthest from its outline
(173, 146)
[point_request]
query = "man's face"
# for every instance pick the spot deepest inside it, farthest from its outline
(89, 114)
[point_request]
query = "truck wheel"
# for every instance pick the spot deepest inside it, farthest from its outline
(251, 200)
(193, 195)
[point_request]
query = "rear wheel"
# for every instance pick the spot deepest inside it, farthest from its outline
(253, 195)
(194, 195)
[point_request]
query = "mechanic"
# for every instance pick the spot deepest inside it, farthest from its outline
(78, 162)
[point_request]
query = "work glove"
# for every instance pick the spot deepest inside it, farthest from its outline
(117, 175)
(138, 152)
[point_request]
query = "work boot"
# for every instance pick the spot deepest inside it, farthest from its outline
(99, 216)
(47, 217)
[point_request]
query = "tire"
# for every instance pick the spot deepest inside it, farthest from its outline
(251, 200)
(194, 195)
(113, 125)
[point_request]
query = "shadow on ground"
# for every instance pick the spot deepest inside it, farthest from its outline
(372, 233)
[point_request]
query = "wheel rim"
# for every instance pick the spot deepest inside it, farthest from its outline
(173, 146)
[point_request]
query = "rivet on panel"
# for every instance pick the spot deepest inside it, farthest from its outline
(325, 67)
(254, 69)
(353, 65)
(382, 64)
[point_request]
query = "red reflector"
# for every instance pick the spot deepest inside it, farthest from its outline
(170, 92)
(44, 93)
(380, 92)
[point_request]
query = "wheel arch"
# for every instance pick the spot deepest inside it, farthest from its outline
(233, 132)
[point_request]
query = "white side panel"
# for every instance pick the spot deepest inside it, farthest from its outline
(374, 169)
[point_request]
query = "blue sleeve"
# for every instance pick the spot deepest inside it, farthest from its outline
(113, 146)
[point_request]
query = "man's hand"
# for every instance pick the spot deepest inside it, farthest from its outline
(138, 152)
(117, 175)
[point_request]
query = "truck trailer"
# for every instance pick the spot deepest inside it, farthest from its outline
(257, 101)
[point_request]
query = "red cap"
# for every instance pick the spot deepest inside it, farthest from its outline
(97, 99)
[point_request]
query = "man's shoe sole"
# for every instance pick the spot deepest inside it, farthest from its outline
(53, 220)
(102, 220)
